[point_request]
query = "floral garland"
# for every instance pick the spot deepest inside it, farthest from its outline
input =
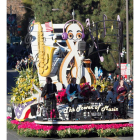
(102, 130)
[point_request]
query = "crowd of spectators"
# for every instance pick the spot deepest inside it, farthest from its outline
(116, 78)
(19, 60)
(115, 81)
(25, 63)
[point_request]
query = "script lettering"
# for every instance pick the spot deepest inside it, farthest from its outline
(96, 106)
(88, 107)
(78, 109)
(85, 107)
(91, 107)
(103, 109)
(106, 107)
(70, 109)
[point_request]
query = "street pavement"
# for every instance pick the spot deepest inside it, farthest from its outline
(11, 76)
(12, 135)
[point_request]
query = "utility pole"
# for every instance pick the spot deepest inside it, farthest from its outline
(10, 9)
(127, 35)
(10, 24)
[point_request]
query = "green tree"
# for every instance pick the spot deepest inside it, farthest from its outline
(43, 10)
(93, 9)
(26, 17)
(112, 8)
(27, 2)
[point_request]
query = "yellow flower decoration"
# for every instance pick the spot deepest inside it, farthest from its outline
(102, 83)
(23, 85)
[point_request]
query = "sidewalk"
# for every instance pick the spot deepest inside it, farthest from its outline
(11, 74)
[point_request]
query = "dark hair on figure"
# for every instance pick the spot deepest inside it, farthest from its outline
(49, 79)
(98, 86)
(72, 79)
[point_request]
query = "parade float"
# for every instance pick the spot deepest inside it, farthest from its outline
(59, 52)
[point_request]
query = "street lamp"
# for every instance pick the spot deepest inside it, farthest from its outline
(33, 11)
(26, 7)
(55, 9)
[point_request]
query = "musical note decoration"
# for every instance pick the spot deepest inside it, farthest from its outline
(104, 18)
(118, 18)
(88, 22)
(93, 39)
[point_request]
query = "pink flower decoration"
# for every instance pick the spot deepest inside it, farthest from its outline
(61, 96)
(8, 117)
(15, 122)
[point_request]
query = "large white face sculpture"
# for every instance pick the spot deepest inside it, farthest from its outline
(74, 33)
(74, 36)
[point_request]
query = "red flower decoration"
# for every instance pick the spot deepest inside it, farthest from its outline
(61, 97)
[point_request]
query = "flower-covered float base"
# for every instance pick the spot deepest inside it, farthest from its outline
(22, 111)
(31, 129)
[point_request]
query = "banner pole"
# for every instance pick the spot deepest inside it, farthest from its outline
(52, 26)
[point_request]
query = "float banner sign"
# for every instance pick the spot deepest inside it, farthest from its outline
(11, 20)
(123, 70)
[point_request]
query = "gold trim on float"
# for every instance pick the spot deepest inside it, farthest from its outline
(19, 119)
(28, 100)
